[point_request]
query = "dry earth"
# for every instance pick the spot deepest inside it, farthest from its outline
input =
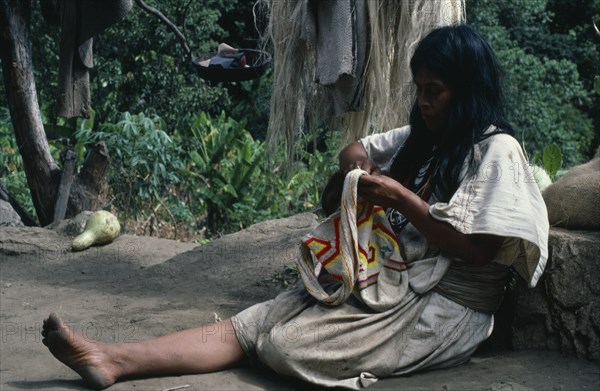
(141, 287)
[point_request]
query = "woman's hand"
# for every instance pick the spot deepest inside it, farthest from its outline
(381, 190)
(385, 192)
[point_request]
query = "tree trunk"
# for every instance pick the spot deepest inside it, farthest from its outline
(90, 187)
(43, 173)
(41, 170)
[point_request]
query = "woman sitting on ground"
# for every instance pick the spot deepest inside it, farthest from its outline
(456, 188)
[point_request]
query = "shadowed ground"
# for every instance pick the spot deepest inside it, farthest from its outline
(139, 287)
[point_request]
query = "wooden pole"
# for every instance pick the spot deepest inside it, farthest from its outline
(69, 160)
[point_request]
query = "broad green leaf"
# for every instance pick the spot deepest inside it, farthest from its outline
(196, 158)
(88, 123)
(552, 159)
(135, 161)
(230, 190)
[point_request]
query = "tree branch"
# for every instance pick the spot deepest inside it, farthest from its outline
(166, 21)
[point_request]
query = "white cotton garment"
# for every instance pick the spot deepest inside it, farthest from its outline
(352, 346)
(502, 198)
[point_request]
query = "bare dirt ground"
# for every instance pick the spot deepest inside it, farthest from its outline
(140, 287)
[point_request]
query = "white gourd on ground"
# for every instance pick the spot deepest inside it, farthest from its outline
(102, 227)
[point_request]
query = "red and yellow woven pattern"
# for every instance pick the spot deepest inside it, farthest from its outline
(357, 248)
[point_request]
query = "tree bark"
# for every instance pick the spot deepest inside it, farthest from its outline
(90, 187)
(69, 161)
(51, 11)
(41, 170)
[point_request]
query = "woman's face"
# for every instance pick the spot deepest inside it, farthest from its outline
(434, 98)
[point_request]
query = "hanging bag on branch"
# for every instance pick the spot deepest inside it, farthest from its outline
(227, 64)
(357, 248)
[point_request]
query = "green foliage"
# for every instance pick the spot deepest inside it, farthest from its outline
(251, 100)
(548, 98)
(543, 104)
(312, 173)
(144, 160)
(573, 23)
(140, 65)
(12, 173)
(264, 193)
(215, 175)
(156, 77)
(223, 158)
(45, 51)
(552, 159)
(213, 168)
(230, 171)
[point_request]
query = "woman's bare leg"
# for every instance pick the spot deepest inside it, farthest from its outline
(198, 350)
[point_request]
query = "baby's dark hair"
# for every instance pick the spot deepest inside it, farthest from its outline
(332, 194)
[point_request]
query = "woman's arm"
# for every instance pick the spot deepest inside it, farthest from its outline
(386, 192)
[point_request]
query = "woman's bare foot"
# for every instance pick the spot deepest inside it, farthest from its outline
(88, 358)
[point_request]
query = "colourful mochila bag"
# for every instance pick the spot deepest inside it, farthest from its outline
(357, 248)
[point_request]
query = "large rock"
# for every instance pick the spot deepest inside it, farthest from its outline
(573, 202)
(71, 227)
(562, 313)
(8, 216)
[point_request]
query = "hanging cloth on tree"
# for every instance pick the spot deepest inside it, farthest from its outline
(339, 31)
(80, 21)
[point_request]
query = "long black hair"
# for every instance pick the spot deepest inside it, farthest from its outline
(462, 59)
